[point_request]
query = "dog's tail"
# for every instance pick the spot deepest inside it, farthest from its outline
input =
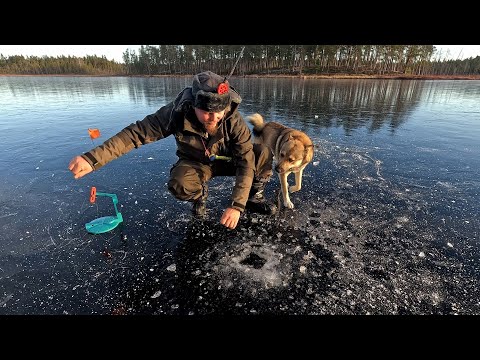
(257, 121)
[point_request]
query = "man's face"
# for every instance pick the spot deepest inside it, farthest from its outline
(209, 119)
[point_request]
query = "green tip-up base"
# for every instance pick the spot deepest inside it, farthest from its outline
(102, 224)
(106, 223)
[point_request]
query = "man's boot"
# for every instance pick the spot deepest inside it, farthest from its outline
(257, 202)
(199, 208)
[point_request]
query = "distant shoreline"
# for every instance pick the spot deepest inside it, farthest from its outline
(320, 76)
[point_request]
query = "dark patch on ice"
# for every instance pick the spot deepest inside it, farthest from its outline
(253, 260)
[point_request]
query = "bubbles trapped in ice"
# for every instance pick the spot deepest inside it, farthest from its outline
(156, 295)
(179, 223)
(172, 267)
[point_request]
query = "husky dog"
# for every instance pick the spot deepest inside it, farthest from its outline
(292, 150)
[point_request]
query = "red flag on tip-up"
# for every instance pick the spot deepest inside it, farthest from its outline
(93, 194)
(94, 133)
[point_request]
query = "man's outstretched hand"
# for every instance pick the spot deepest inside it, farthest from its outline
(230, 218)
(79, 167)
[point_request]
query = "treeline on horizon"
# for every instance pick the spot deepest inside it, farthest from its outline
(256, 60)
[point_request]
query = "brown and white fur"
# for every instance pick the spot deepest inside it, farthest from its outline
(292, 150)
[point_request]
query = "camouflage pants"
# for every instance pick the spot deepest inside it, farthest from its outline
(187, 177)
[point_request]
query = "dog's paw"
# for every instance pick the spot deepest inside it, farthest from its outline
(294, 188)
(288, 204)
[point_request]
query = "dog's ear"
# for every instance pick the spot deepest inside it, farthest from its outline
(308, 153)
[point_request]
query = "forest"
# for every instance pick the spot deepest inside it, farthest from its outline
(297, 60)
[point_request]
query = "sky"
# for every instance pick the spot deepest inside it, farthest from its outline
(455, 51)
(114, 52)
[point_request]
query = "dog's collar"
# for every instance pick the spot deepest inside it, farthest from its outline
(280, 138)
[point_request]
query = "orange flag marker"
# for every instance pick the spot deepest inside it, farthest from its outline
(93, 194)
(94, 133)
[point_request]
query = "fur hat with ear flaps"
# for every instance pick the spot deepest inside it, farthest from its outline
(212, 93)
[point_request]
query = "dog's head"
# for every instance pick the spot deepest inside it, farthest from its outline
(294, 151)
